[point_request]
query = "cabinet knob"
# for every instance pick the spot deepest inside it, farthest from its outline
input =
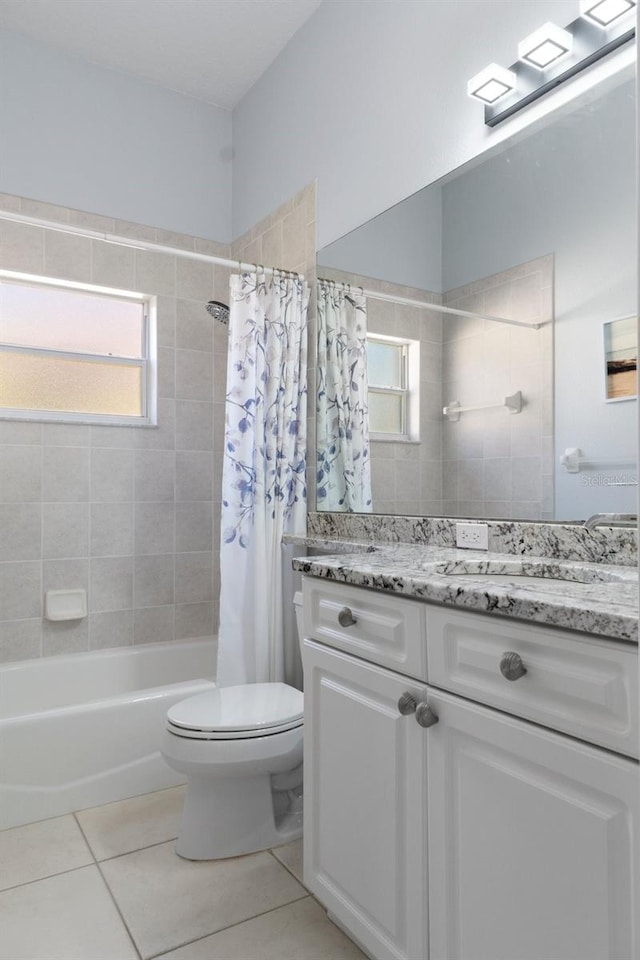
(346, 617)
(425, 715)
(407, 704)
(511, 666)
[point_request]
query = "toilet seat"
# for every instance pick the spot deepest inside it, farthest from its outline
(238, 712)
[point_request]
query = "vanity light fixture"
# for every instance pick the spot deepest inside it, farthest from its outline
(551, 55)
(492, 83)
(545, 46)
(604, 12)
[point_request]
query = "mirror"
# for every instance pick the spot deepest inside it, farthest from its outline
(540, 232)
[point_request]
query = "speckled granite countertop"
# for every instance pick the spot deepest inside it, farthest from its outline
(606, 604)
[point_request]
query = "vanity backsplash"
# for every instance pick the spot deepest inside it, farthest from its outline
(562, 541)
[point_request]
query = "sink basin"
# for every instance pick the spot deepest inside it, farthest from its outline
(536, 571)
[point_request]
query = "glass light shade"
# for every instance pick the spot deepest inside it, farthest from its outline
(492, 83)
(604, 12)
(545, 46)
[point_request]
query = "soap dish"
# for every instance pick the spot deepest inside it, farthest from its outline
(65, 604)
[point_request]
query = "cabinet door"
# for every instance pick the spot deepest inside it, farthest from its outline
(531, 852)
(364, 840)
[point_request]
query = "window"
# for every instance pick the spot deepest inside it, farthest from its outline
(73, 352)
(392, 366)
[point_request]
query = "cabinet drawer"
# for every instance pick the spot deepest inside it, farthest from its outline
(387, 630)
(578, 684)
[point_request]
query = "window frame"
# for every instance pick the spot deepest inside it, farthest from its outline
(147, 363)
(409, 391)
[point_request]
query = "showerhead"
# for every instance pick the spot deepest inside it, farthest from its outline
(219, 311)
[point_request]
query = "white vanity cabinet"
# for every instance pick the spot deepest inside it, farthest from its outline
(481, 835)
(529, 841)
(364, 776)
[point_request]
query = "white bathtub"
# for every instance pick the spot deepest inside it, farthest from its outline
(80, 730)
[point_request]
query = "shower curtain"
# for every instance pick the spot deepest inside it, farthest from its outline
(343, 458)
(263, 481)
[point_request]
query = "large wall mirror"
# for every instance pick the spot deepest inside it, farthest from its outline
(426, 405)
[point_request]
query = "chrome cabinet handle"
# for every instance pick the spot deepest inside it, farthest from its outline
(511, 666)
(346, 618)
(407, 704)
(425, 715)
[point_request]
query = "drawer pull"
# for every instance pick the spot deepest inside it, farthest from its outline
(407, 704)
(511, 666)
(346, 617)
(425, 715)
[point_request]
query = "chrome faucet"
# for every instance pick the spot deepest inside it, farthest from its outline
(611, 520)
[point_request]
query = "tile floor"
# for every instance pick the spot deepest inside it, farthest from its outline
(106, 884)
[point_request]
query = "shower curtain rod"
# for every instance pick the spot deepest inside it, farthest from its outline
(409, 302)
(142, 244)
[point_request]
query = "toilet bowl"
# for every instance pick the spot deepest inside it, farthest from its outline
(240, 750)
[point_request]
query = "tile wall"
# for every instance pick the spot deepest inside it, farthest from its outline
(130, 514)
(496, 464)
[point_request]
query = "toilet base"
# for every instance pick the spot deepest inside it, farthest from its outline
(231, 817)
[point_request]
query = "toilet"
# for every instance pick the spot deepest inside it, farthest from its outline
(240, 750)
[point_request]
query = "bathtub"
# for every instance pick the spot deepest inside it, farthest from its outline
(80, 730)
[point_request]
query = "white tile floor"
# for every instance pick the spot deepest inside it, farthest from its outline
(106, 884)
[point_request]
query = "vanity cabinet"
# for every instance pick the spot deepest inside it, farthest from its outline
(481, 835)
(529, 841)
(364, 778)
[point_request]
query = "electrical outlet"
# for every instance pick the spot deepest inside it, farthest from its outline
(472, 536)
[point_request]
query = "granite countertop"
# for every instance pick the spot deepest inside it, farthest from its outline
(607, 604)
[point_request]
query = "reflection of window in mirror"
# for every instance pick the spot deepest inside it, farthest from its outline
(394, 383)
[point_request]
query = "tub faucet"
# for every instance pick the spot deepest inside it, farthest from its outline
(611, 520)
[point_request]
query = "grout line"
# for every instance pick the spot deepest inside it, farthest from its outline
(42, 578)
(289, 870)
(128, 853)
(50, 876)
(120, 913)
(84, 836)
(158, 956)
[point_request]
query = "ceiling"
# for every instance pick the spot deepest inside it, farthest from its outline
(214, 50)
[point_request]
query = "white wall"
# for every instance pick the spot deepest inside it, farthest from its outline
(403, 244)
(370, 98)
(81, 136)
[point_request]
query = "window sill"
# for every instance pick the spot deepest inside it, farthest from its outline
(390, 438)
(104, 420)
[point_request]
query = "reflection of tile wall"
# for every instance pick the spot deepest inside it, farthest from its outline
(406, 477)
(496, 464)
(131, 514)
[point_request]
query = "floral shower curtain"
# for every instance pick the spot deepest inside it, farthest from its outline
(263, 482)
(343, 457)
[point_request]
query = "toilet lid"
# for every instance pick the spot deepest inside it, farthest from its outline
(255, 708)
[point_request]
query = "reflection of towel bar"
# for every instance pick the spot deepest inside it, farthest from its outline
(573, 461)
(512, 403)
